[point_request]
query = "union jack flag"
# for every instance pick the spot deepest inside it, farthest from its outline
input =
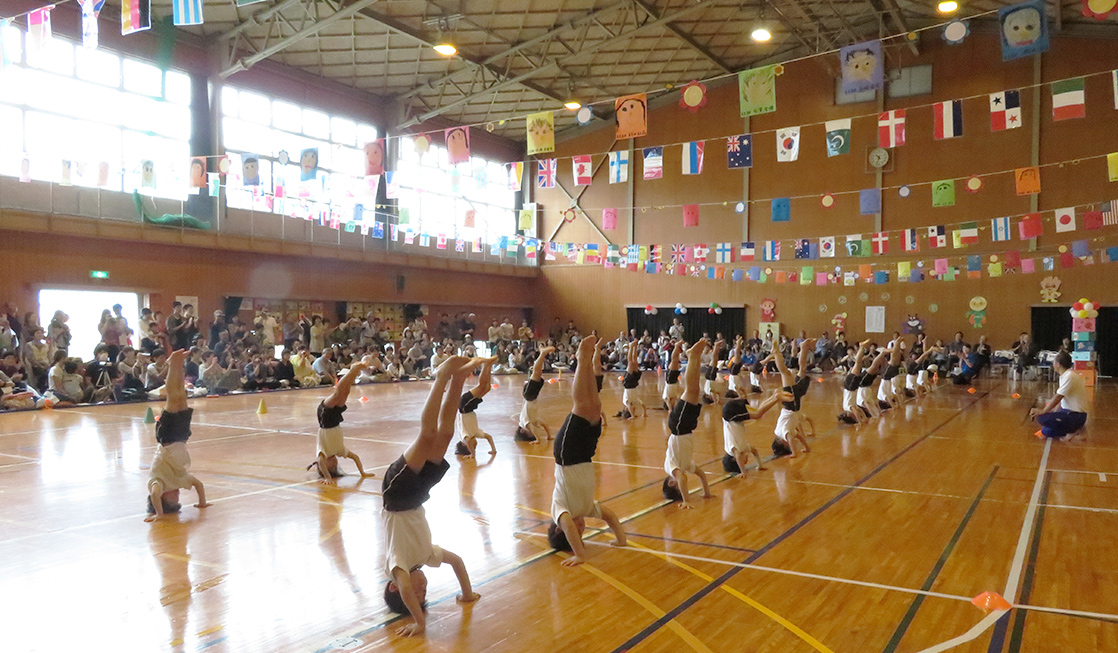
(679, 253)
(545, 173)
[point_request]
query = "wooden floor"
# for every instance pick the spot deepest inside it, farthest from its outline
(876, 541)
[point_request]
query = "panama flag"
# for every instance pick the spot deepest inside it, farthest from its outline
(693, 158)
(1068, 99)
(881, 243)
(948, 119)
(1005, 110)
(653, 162)
(545, 173)
(772, 250)
(747, 252)
(911, 241)
(1065, 219)
(890, 128)
(999, 229)
(838, 137)
(937, 236)
(582, 172)
(724, 253)
(618, 167)
(827, 247)
(186, 12)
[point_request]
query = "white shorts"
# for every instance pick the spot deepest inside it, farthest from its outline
(680, 454)
(629, 396)
(330, 442)
(672, 393)
(736, 384)
(786, 423)
(885, 390)
(733, 437)
(171, 467)
(529, 413)
(899, 383)
(755, 379)
(864, 395)
(717, 386)
(466, 424)
(922, 379)
(911, 381)
(848, 404)
(407, 541)
(574, 492)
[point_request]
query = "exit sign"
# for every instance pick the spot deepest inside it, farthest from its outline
(98, 274)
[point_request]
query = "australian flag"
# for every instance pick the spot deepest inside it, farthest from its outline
(739, 151)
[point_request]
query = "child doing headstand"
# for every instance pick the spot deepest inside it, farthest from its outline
(170, 470)
(684, 418)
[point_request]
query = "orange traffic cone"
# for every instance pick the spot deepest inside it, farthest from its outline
(991, 601)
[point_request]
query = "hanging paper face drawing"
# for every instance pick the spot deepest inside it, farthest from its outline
(1050, 290)
(458, 145)
(768, 310)
(147, 174)
(862, 67)
(308, 164)
(250, 170)
(631, 116)
(977, 313)
(913, 324)
(374, 158)
(1024, 29)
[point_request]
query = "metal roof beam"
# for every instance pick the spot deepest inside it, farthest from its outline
(685, 37)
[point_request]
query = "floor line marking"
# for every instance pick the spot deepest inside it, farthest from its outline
(1030, 571)
(1071, 613)
(679, 541)
(1013, 582)
(788, 625)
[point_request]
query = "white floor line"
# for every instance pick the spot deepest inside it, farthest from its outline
(882, 489)
(1102, 475)
(1012, 584)
(1073, 613)
(1086, 508)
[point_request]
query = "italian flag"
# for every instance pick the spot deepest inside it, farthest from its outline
(1068, 99)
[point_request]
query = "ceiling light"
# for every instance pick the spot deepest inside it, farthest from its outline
(761, 34)
(446, 48)
(573, 104)
(948, 7)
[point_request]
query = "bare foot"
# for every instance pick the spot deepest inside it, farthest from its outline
(619, 543)
(473, 597)
(151, 518)
(202, 505)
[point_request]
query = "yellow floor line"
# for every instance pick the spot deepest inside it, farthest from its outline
(791, 627)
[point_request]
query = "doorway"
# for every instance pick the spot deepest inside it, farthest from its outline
(1051, 324)
(84, 308)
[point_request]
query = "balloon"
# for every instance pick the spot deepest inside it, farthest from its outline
(710, 310)
(678, 311)
(1083, 313)
(648, 308)
(1078, 306)
(713, 305)
(678, 305)
(1092, 314)
(718, 311)
(1074, 313)
(1083, 300)
(683, 311)
(1089, 306)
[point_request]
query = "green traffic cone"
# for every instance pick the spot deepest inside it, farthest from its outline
(149, 417)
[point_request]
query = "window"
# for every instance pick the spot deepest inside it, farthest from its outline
(257, 129)
(852, 98)
(914, 80)
(94, 113)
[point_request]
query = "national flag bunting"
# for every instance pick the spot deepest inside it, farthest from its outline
(772, 250)
(699, 253)
(788, 144)
(516, 174)
(186, 12)
(827, 247)
(838, 137)
(937, 236)
(653, 162)
(739, 151)
(747, 252)
(724, 253)
(618, 167)
(135, 16)
(545, 173)
(968, 233)
(947, 119)
(911, 240)
(582, 169)
(1068, 99)
(693, 158)
(890, 128)
(854, 245)
(1065, 219)
(38, 28)
(1109, 213)
(881, 243)
(999, 229)
(1005, 110)
(679, 254)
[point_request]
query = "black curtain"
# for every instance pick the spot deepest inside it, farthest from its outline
(232, 306)
(1107, 344)
(1051, 324)
(696, 322)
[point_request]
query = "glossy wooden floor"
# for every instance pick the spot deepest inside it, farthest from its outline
(876, 541)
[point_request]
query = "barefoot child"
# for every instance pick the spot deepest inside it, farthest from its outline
(789, 429)
(170, 470)
(739, 381)
(672, 390)
(865, 385)
(407, 486)
(530, 428)
(630, 383)
(914, 382)
(572, 501)
(851, 413)
(712, 388)
(330, 442)
(735, 414)
(466, 423)
(684, 418)
(886, 397)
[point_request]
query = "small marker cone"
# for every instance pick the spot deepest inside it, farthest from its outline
(363, 399)
(261, 409)
(1016, 395)
(1039, 435)
(496, 386)
(47, 405)
(991, 601)
(149, 417)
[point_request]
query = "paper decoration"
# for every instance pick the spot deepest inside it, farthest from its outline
(802, 248)
(999, 229)
(881, 242)
(977, 313)
(1030, 226)
(690, 215)
(540, 130)
(941, 266)
(943, 192)
(1065, 219)
(693, 96)
(1005, 110)
(618, 167)
(1050, 290)
(910, 240)
(582, 170)
(724, 253)
(747, 252)
(1068, 99)
(973, 184)
(308, 164)
(1098, 9)
(135, 16)
(186, 12)
(875, 319)
(1112, 166)
(1092, 220)
(827, 247)
(947, 119)
(692, 162)
(515, 175)
(955, 32)
(772, 250)
(457, 145)
(90, 10)
(38, 28)
(545, 173)
(653, 162)
(855, 246)
(609, 219)
(1027, 180)
(768, 310)
(869, 201)
(890, 128)
(937, 236)
(198, 172)
(374, 157)
(422, 143)
(739, 151)
(631, 116)
(863, 67)
(1080, 248)
(827, 200)
(904, 191)
(968, 233)
(1028, 266)
(757, 91)
(1114, 84)
(1024, 29)
(781, 209)
(838, 137)
(788, 144)
(526, 218)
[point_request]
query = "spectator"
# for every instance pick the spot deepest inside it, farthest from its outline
(176, 323)
(156, 371)
(68, 386)
(675, 331)
(122, 327)
(36, 359)
(58, 332)
(1025, 351)
(218, 325)
(317, 335)
(555, 333)
(524, 333)
(148, 331)
(110, 333)
(325, 368)
(8, 338)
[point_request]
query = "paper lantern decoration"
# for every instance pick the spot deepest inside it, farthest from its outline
(422, 142)
(827, 201)
(693, 96)
(904, 191)
(955, 32)
(1099, 9)
(973, 184)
